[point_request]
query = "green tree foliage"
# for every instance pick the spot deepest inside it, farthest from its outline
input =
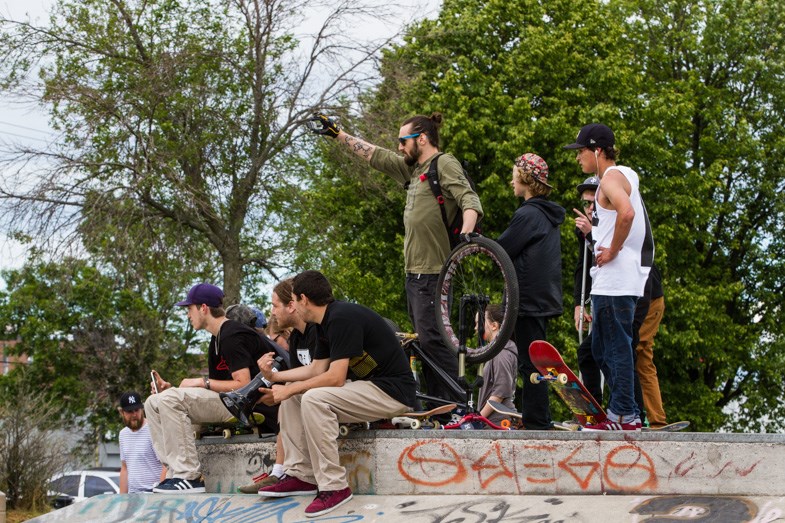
(710, 148)
(186, 112)
(694, 92)
(90, 336)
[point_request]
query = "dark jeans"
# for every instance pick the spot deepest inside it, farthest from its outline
(535, 406)
(613, 351)
(590, 371)
(420, 297)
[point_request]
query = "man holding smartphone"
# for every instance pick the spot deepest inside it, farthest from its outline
(232, 355)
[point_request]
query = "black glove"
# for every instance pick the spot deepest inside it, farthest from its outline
(320, 124)
(468, 236)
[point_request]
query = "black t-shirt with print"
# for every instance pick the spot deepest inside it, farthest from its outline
(352, 331)
(236, 347)
(302, 346)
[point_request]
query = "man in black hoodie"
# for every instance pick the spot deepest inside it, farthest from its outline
(533, 242)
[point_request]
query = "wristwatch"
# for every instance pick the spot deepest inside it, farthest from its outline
(206, 383)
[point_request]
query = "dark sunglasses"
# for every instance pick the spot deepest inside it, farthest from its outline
(587, 203)
(403, 139)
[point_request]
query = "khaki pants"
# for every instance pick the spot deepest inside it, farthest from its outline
(309, 428)
(171, 414)
(647, 372)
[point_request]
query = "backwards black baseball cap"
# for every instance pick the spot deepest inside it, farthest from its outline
(590, 183)
(593, 135)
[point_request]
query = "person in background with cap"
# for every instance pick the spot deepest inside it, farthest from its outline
(623, 256)
(533, 242)
(140, 468)
(590, 371)
(232, 360)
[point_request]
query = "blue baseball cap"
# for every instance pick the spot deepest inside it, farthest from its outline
(261, 321)
(206, 293)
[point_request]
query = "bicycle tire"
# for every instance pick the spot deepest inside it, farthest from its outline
(478, 268)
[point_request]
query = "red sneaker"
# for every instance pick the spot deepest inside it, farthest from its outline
(327, 501)
(615, 426)
(288, 486)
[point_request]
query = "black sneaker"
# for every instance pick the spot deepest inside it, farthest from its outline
(180, 486)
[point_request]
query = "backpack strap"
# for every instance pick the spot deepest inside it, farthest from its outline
(436, 189)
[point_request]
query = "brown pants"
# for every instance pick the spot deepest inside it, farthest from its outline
(309, 428)
(647, 372)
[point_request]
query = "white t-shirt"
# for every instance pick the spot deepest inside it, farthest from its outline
(626, 274)
(136, 450)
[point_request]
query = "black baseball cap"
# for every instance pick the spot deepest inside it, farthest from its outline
(592, 182)
(592, 136)
(131, 401)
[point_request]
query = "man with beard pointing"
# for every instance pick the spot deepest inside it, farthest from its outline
(426, 242)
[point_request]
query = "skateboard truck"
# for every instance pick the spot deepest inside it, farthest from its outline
(242, 401)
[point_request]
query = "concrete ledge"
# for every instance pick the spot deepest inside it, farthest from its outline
(399, 462)
(217, 508)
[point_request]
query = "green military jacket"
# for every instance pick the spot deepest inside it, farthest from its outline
(426, 244)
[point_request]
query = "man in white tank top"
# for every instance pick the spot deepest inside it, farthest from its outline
(624, 253)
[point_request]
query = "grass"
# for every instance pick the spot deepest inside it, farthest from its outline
(20, 515)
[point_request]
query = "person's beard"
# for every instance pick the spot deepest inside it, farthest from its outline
(412, 160)
(134, 423)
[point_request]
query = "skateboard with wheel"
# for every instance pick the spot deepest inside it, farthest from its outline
(345, 428)
(474, 421)
(231, 428)
(422, 420)
(671, 427)
(507, 411)
(504, 410)
(552, 369)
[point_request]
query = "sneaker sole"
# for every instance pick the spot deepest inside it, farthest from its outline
(268, 494)
(197, 490)
(325, 511)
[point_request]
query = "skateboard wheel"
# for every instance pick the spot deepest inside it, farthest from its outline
(227, 433)
(534, 378)
(563, 379)
(436, 425)
(416, 424)
(343, 430)
(197, 434)
(506, 424)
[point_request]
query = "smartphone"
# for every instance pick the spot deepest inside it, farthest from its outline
(155, 385)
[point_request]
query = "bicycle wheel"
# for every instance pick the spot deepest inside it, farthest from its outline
(476, 273)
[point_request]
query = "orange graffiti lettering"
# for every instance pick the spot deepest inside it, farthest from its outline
(570, 467)
(616, 464)
(497, 464)
(545, 448)
(435, 465)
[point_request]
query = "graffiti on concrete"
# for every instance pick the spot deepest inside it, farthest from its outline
(212, 509)
(487, 510)
(716, 509)
(623, 467)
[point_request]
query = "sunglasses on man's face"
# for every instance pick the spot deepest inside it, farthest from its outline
(403, 139)
(587, 203)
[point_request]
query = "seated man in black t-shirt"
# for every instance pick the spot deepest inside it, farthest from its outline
(171, 411)
(302, 344)
(354, 344)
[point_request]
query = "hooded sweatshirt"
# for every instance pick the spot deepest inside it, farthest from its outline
(533, 242)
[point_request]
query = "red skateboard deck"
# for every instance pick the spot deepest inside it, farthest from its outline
(552, 368)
